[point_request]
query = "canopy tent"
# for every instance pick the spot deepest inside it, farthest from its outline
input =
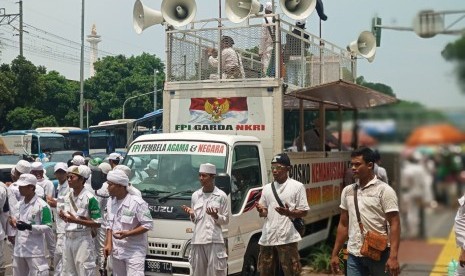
(439, 134)
(363, 138)
(333, 95)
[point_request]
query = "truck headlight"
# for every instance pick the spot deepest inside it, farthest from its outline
(187, 251)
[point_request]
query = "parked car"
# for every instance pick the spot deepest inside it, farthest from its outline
(49, 173)
(61, 156)
(7, 162)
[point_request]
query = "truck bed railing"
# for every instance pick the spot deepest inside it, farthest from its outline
(303, 59)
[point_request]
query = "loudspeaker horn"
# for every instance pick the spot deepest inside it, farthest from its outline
(365, 45)
(144, 17)
(178, 12)
(238, 10)
(297, 9)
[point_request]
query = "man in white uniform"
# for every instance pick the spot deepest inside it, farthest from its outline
(37, 169)
(14, 196)
(57, 202)
(127, 223)
(231, 63)
(4, 214)
(209, 211)
(81, 213)
(33, 220)
(265, 48)
(278, 243)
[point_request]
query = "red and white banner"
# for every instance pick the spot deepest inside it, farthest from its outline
(232, 110)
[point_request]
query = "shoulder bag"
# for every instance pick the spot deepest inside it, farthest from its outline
(374, 243)
(298, 223)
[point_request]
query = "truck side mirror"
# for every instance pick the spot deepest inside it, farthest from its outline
(223, 182)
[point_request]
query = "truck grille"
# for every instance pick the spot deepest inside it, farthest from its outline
(165, 249)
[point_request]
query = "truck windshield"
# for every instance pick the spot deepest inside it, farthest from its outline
(159, 172)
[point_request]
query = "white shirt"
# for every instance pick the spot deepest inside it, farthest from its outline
(206, 229)
(4, 215)
(31, 243)
(381, 173)
(47, 186)
(39, 192)
(266, 41)
(63, 191)
(279, 229)
(374, 201)
(87, 206)
(229, 59)
(127, 214)
(460, 224)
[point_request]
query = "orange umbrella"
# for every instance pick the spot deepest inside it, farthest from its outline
(363, 138)
(435, 135)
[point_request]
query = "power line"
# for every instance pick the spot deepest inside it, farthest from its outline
(49, 45)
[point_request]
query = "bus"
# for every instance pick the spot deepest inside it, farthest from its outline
(116, 135)
(75, 137)
(150, 123)
(110, 136)
(32, 143)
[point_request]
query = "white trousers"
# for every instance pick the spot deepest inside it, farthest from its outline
(58, 256)
(2, 257)
(208, 259)
(50, 240)
(79, 255)
(30, 266)
(99, 241)
(132, 267)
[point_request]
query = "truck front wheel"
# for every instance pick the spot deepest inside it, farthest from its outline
(250, 266)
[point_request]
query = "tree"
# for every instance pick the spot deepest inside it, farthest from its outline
(62, 95)
(22, 117)
(47, 121)
(27, 84)
(455, 52)
(7, 93)
(118, 78)
(385, 89)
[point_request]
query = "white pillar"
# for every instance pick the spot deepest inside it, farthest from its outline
(93, 39)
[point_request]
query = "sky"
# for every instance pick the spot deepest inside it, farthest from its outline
(411, 65)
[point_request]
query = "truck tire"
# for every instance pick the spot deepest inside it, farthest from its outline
(250, 266)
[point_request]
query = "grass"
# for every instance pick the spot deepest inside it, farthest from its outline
(319, 258)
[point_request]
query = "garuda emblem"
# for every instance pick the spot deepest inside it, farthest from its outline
(216, 110)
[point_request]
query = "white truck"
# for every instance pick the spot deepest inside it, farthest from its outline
(239, 125)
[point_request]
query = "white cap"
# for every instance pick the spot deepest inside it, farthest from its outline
(115, 156)
(118, 177)
(26, 179)
(80, 170)
(153, 164)
(105, 167)
(23, 166)
(37, 166)
(268, 6)
(123, 168)
(207, 168)
(78, 160)
(60, 166)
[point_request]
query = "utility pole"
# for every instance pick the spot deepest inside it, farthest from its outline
(21, 27)
(81, 78)
(12, 17)
(155, 73)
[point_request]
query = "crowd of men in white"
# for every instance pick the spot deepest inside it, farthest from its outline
(79, 227)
